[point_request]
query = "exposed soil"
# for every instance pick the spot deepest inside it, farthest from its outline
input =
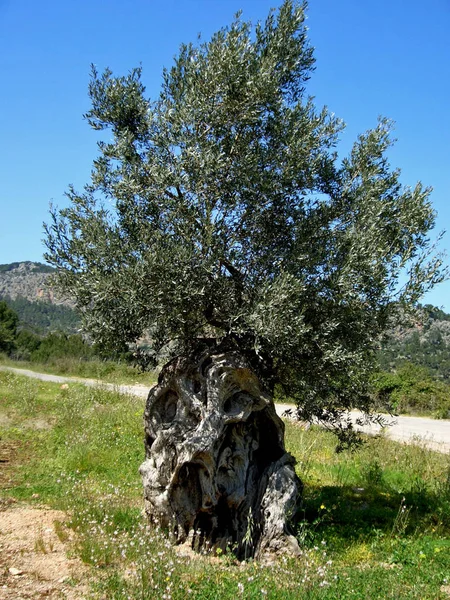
(35, 543)
(9, 451)
(35, 559)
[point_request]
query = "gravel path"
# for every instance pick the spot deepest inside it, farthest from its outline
(435, 434)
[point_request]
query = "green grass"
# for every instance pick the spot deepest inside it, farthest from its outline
(374, 524)
(107, 371)
(383, 513)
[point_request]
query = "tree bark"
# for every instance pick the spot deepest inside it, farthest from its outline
(216, 471)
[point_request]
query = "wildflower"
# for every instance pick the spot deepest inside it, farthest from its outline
(240, 588)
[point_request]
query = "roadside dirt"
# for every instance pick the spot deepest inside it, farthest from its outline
(35, 559)
(9, 451)
(35, 543)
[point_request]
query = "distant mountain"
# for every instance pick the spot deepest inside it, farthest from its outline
(28, 280)
(26, 287)
(36, 267)
(426, 342)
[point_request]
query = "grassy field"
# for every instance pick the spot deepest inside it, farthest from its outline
(374, 524)
(107, 371)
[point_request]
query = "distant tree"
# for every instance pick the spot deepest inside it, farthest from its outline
(59, 345)
(8, 267)
(26, 343)
(220, 210)
(435, 313)
(8, 327)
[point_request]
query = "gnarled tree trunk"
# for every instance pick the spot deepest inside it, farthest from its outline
(216, 471)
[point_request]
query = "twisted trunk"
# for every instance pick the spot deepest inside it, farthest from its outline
(216, 472)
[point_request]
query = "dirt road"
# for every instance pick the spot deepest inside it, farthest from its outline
(433, 433)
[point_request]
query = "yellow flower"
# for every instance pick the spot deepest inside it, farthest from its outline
(322, 506)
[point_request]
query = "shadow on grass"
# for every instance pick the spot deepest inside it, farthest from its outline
(354, 513)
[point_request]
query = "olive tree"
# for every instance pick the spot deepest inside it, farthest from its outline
(221, 224)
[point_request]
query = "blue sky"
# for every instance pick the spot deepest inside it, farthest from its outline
(389, 57)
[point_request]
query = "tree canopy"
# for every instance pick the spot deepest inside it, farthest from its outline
(221, 210)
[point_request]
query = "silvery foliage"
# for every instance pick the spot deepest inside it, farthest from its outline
(221, 210)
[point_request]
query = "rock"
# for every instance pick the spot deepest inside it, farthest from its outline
(216, 471)
(15, 572)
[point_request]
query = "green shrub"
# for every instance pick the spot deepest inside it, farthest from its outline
(26, 343)
(58, 345)
(411, 389)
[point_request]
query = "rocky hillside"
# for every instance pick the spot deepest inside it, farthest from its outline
(26, 287)
(27, 280)
(426, 342)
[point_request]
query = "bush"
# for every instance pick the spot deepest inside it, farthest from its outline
(411, 389)
(26, 343)
(59, 345)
